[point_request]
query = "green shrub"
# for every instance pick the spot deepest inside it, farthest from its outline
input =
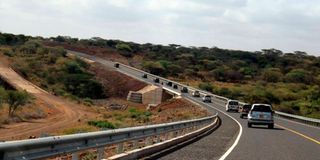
(272, 75)
(88, 101)
(206, 86)
(78, 130)
(102, 124)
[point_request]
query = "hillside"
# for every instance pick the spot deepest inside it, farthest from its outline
(289, 81)
(61, 94)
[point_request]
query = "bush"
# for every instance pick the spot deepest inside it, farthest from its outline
(272, 75)
(298, 76)
(125, 49)
(154, 68)
(102, 124)
(206, 87)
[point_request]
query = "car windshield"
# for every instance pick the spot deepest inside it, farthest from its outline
(207, 96)
(233, 103)
(262, 108)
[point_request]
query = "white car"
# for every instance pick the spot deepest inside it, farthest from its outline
(195, 94)
(261, 114)
(232, 105)
(206, 98)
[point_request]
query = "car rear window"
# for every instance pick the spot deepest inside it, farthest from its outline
(262, 108)
(247, 106)
(233, 103)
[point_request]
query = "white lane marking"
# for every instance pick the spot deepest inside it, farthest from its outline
(297, 122)
(238, 137)
(235, 142)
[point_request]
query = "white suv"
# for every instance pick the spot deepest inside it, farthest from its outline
(232, 105)
(261, 114)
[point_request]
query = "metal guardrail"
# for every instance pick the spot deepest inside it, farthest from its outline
(59, 145)
(311, 121)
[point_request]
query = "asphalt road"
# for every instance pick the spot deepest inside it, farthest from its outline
(287, 141)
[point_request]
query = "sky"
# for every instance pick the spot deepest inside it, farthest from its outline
(252, 25)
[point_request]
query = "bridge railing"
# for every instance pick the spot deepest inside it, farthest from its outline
(74, 144)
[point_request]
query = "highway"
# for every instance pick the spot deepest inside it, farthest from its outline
(234, 140)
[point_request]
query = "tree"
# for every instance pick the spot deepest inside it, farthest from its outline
(16, 99)
(298, 76)
(206, 86)
(3, 95)
(154, 68)
(272, 75)
(125, 48)
(219, 74)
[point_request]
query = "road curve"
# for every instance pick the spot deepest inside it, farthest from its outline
(288, 141)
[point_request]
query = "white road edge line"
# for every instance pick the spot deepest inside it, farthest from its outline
(235, 142)
(225, 155)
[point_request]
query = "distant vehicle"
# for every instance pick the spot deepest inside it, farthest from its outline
(261, 114)
(116, 65)
(244, 110)
(156, 80)
(184, 90)
(195, 94)
(175, 86)
(169, 84)
(206, 98)
(232, 105)
(144, 76)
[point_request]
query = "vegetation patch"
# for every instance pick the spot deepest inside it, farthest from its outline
(102, 124)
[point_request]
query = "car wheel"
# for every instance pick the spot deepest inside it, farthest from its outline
(270, 126)
(227, 110)
(249, 125)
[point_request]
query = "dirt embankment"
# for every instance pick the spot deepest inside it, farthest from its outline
(60, 113)
(116, 84)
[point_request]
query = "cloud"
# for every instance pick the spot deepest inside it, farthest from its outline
(288, 25)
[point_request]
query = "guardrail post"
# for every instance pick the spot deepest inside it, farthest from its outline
(148, 141)
(120, 148)
(100, 152)
(166, 136)
(75, 156)
(158, 138)
(135, 144)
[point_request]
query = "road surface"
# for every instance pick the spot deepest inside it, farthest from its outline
(287, 141)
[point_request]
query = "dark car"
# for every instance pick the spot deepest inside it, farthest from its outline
(244, 110)
(116, 65)
(169, 84)
(175, 86)
(144, 76)
(184, 90)
(156, 80)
